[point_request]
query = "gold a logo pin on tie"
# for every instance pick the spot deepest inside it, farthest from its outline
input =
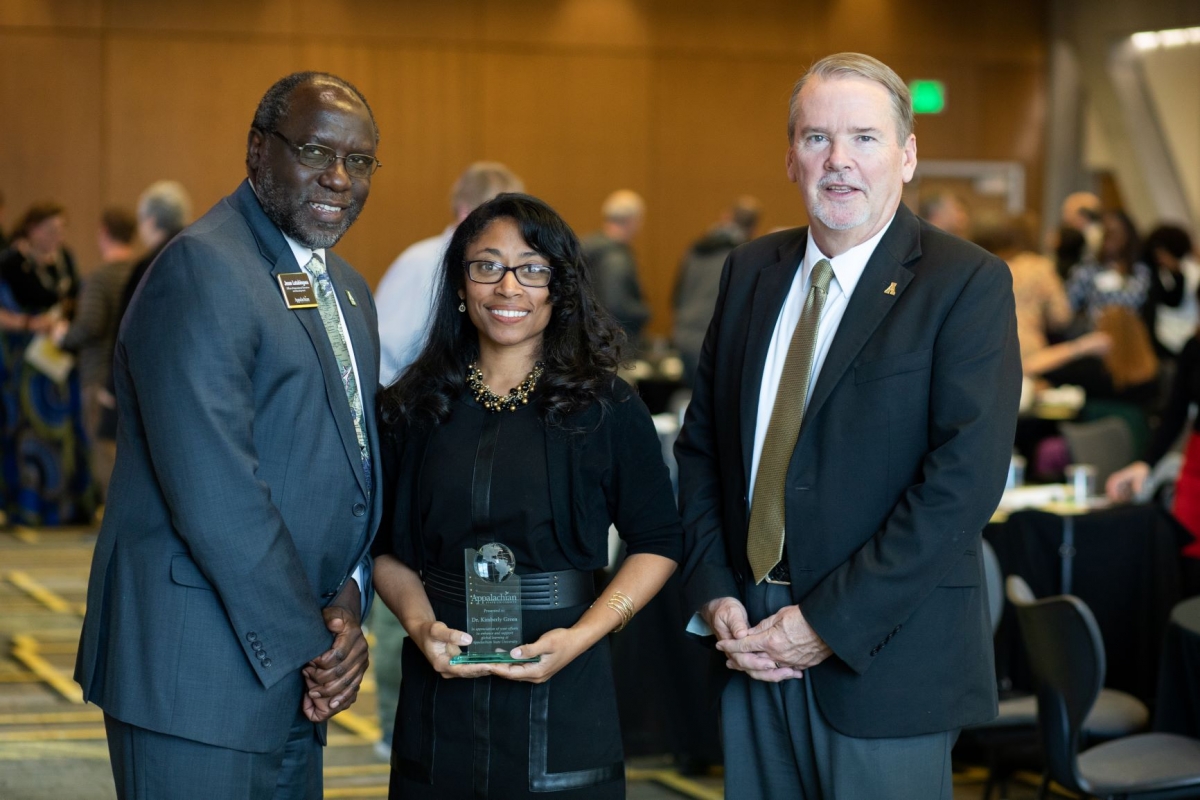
(891, 289)
(350, 297)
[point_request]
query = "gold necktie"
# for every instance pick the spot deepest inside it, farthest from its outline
(764, 544)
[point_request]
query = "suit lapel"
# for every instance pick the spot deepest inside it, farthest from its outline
(882, 283)
(769, 294)
(335, 391)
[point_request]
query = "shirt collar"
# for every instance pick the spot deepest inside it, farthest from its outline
(303, 253)
(849, 266)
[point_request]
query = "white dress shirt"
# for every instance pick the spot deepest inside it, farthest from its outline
(404, 302)
(847, 269)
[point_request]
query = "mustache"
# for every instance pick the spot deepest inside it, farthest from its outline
(829, 180)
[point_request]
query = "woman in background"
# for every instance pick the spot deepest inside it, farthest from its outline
(43, 467)
(1119, 278)
(511, 427)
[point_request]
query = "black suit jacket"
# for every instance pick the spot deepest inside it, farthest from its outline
(900, 463)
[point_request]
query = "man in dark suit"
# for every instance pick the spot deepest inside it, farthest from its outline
(231, 571)
(847, 440)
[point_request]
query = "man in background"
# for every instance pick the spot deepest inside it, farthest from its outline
(613, 266)
(699, 279)
(947, 211)
(93, 332)
(405, 292)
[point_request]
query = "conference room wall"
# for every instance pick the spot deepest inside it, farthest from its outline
(682, 101)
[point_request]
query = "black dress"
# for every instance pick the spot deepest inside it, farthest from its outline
(490, 737)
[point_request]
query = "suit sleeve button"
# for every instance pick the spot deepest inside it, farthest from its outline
(359, 509)
(256, 646)
(266, 662)
(251, 637)
(260, 655)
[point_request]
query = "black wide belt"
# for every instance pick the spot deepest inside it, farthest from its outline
(540, 591)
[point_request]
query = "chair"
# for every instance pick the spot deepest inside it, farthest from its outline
(1114, 714)
(1067, 656)
(1106, 444)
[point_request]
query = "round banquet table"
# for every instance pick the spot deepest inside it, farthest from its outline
(1178, 706)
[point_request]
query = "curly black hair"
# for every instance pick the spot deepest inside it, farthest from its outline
(581, 345)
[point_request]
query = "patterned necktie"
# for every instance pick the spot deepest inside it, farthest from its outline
(764, 544)
(327, 305)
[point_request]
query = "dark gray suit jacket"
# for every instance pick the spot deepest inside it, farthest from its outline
(238, 505)
(899, 465)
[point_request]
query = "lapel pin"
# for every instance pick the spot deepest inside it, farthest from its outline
(350, 297)
(891, 289)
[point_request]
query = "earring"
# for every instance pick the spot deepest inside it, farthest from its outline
(462, 307)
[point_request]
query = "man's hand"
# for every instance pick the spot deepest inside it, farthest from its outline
(332, 678)
(784, 641)
(726, 617)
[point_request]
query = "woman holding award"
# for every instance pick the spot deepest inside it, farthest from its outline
(511, 447)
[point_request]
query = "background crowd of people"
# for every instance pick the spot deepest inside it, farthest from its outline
(1100, 306)
(58, 327)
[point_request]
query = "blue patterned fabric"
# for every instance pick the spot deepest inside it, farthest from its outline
(44, 479)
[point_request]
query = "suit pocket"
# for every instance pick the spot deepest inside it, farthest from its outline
(967, 571)
(895, 365)
(185, 573)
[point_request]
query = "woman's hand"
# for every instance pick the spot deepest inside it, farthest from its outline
(1125, 484)
(440, 643)
(557, 648)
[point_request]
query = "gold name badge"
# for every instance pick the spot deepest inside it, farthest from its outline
(297, 290)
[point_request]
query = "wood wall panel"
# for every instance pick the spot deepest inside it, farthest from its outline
(364, 20)
(180, 109)
(720, 131)
(51, 13)
(51, 94)
(682, 100)
(425, 101)
(532, 24)
(532, 104)
(240, 17)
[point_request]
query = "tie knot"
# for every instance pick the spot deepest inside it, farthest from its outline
(822, 274)
(315, 265)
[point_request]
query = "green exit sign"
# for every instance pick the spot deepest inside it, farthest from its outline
(928, 97)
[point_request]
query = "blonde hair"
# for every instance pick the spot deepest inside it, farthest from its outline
(1131, 360)
(858, 65)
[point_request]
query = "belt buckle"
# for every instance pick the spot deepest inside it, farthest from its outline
(783, 571)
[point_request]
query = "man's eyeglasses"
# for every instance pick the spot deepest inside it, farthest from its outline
(318, 156)
(535, 276)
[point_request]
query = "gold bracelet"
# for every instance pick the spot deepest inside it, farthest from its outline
(623, 605)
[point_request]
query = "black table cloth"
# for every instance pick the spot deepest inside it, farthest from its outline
(1178, 708)
(1123, 562)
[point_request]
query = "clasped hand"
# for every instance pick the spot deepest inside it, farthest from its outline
(778, 648)
(557, 648)
(332, 679)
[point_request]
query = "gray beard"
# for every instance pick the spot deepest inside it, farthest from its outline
(289, 214)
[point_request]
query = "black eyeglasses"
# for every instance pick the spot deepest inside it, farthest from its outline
(535, 276)
(318, 156)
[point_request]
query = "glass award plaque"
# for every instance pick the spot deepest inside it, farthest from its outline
(493, 606)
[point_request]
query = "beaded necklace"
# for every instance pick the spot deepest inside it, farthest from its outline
(516, 397)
